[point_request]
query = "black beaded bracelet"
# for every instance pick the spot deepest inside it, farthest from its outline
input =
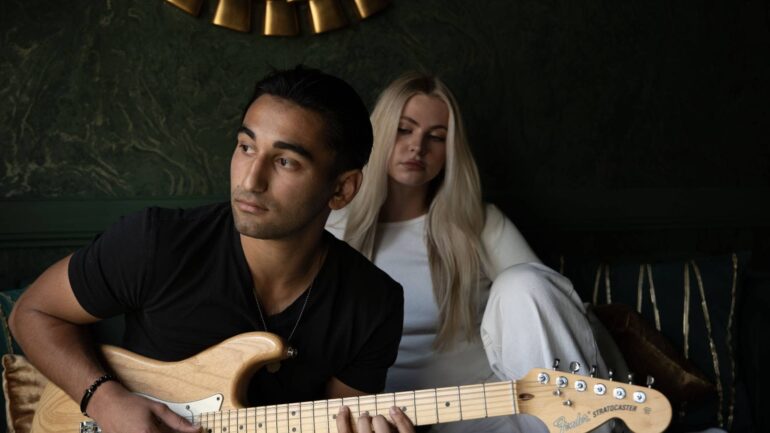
(90, 391)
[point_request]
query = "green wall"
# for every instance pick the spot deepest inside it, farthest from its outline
(583, 115)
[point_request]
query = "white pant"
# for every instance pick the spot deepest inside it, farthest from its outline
(532, 317)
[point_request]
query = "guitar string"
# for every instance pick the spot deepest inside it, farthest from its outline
(281, 417)
(279, 411)
(466, 395)
(469, 397)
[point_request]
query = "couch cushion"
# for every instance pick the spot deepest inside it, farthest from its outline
(22, 386)
(692, 303)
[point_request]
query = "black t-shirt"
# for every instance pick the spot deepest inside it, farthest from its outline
(181, 278)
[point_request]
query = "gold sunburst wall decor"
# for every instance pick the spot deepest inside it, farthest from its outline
(281, 17)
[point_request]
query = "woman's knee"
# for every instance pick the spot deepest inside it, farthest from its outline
(525, 279)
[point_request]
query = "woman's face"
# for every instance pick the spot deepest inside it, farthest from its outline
(420, 150)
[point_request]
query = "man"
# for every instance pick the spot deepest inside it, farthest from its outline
(188, 279)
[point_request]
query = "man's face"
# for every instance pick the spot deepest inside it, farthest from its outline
(280, 180)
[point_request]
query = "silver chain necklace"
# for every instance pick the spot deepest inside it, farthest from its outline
(292, 352)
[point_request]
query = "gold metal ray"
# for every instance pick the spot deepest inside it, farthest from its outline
(192, 7)
(367, 8)
(280, 18)
(326, 15)
(234, 14)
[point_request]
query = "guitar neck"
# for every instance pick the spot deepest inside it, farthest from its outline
(423, 407)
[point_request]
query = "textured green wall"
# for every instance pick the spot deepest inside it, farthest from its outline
(601, 102)
(137, 99)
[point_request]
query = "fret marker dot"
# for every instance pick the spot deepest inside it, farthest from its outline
(403, 408)
(334, 416)
(293, 413)
(260, 425)
(446, 404)
(240, 427)
(294, 429)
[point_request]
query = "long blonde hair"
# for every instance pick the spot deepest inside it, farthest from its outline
(455, 216)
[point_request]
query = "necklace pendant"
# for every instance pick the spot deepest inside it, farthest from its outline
(273, 367)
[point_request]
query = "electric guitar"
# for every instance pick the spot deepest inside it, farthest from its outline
(209, 388)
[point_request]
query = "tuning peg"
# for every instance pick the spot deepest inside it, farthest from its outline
(592, 373)
(610, 375)
(630, 378)
(556, 363)
(650, 381)
(574, 367)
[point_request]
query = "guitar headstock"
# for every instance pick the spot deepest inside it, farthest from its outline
(568, 402)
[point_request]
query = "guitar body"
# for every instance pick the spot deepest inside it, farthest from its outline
(221, 371)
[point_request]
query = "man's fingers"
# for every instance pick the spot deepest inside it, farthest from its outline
(364, 423)
(343, 420)
(173, 421)
(380, 424)
(401, 421)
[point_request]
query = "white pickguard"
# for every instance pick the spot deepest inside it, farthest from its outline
(190, 409)
(186, 409)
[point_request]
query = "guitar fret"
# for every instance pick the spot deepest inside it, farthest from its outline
(260, 420)
(256, 419)
(472, 402)
(306, 417)
(460, 402)
(282, 419)
(406, 401)
(513, 397)
(349, 402)
(435, 403)
(320, 420)
(293, 418)
(367, 404)
(271, 420)
(333, 409)
(447, 404)
(425, 406)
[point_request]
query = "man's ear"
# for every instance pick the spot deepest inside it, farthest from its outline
(345, 188)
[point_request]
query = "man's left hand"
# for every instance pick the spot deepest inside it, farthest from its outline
(367, 424)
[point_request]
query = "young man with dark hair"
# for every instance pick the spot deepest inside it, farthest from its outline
(189, 279)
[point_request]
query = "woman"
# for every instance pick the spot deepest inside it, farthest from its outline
(419, 217)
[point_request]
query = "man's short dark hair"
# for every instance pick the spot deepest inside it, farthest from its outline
(348, 129)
